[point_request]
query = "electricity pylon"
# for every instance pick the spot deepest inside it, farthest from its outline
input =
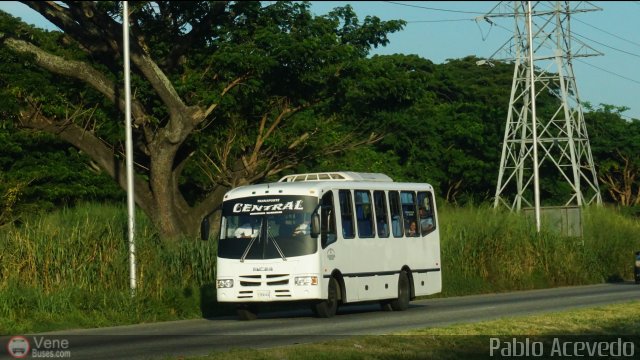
(549, 139)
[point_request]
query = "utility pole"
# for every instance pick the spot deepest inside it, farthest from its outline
(544, 141)
(131, 210)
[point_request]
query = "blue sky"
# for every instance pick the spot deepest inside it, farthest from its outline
(441, 30)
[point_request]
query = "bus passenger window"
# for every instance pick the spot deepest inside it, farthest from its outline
(382, 219)
(364, 213)
(409, 212)
(396, 214)
(346, 213)
(425, 203)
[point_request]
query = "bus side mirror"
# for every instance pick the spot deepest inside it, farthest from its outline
(315, 225)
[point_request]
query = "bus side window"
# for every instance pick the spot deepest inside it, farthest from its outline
(328, 221)
(382, 219)
(427, 220)
(396, 213)
(346, 213)
(409, 212)
(364, 213)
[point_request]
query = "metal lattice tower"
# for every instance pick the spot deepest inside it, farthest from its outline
(551, 140)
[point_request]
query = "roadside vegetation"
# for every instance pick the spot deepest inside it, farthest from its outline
(271, 89)
(484, 250)
(469, 341)
(70, 268)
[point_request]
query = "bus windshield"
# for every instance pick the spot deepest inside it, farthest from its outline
(267, 227)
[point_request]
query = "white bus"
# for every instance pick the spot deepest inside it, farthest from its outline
(328, 238)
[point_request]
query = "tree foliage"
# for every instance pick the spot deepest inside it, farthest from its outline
(225, 93)
(230, 93)
(615, 144)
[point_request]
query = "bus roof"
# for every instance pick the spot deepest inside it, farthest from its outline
(290, 185)
(336, 176)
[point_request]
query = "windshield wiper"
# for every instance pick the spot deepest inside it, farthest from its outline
(253, 239)
(275, 243)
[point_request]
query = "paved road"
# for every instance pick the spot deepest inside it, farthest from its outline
(202, 336)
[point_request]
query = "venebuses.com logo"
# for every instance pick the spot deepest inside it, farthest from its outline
(18, 347)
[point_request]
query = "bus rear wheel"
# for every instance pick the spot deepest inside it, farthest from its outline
(404, 293)
(328, 308)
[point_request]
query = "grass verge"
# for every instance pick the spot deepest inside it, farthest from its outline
(558, 331)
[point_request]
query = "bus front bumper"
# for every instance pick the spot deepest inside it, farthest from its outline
(293, 289)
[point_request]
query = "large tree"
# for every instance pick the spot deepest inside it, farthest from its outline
(225, 93)
(615, 144)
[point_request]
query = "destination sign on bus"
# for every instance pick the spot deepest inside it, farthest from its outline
(268, 206)
(267, 209)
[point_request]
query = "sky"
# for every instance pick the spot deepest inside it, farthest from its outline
(442, 30)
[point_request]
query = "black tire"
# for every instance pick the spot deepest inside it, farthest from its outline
(328, 308)
(404, 293)
(246, 312)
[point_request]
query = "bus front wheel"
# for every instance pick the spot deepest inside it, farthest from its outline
(328, 308)
(404, 293)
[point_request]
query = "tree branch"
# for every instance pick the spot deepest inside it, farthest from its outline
(78, 29)
(200, 117)
(82, 18)
(207, 205)
(80, 71)
(88, 143)
(263, 136)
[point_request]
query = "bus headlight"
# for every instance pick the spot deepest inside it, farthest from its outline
(306, 280)
(221, 284)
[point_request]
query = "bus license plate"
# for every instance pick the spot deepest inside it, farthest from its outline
(263, 294)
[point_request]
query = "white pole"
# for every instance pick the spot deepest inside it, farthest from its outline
(130, 190)
(536, 180)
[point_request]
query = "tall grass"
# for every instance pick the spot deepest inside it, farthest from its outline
(486, 250)
(71, 268)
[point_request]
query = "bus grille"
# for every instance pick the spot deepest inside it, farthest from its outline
(269, 280)
(250, 294)
(283, 293)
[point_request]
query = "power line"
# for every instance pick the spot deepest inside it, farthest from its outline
(594, 66)
(504, 28)
(608, 33)
(586, 38)
(607, 46)
(609, 72)
(435, 9)
(437, 21)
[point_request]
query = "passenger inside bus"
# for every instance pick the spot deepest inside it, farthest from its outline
(413, 229)
(245, 231)
(426, 222)
(302, 229)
